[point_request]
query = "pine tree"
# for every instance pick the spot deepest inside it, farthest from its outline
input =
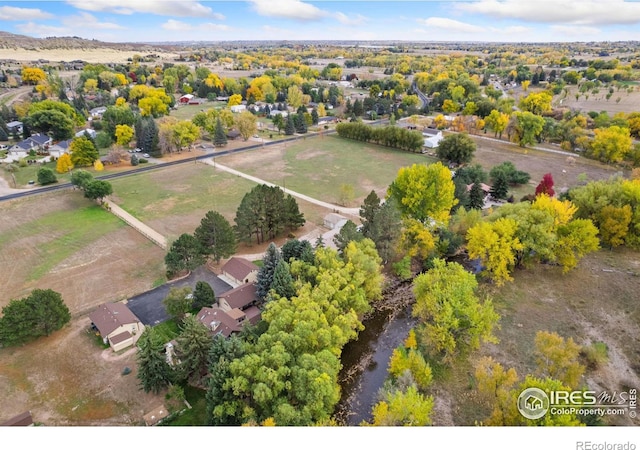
(216, 236)
(300, 125)
(266, 272)
(220, 137)
(282, 283)
(500, 187)
(193, 346)
(476, 196)
(203, 295)
(368, 211)
(153, 371)
(314, 116)
(293, 217)
(290, 127)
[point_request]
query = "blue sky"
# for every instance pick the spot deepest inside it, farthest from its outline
(187, 20)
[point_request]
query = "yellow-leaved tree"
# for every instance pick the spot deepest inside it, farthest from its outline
(98, 166)
(64, 164)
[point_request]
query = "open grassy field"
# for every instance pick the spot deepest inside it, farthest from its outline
(318, 166)
(490, 153)
(620, 101)
(174, 200)
(596, 302)
(65, 242)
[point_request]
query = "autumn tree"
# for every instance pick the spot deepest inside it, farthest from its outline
(456, 148)
(453, 319)
(216, 236)
(536, 102)
(528, 127)
(247, 124)
(546, 186)
(496, 245)
(611, 144)
(64, 164)
(124, 134)
(558, 358)
(614, 224)
(235, 99)
(83, 152)
(33, 75)
(403, 408)
(424, 193)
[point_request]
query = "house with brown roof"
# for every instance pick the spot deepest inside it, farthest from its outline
(239, 271)
(218, 321)
(117, 325)
(241, 297)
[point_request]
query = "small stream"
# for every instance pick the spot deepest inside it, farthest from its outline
(365, 361)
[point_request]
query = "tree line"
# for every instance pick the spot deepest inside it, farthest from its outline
(389, 136)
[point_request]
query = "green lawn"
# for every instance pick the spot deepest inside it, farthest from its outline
(185, 112)
(195, 416)
(318, 166)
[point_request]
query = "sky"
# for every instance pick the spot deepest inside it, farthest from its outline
(419, 20)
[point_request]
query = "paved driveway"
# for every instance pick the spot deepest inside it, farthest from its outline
(148, 305)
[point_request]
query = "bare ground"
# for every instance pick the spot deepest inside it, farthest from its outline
(74, 384)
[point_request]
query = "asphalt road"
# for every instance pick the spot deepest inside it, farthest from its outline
(148, 305)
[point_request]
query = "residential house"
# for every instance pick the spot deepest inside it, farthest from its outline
(60, 148)
(117, 325)
(36, 142)
(90, 131)
(277, 112)
(15, 127)
(238, 108)
(234, 310)
(96, 113)
(334, 220)
(432, 137)
(238, 271)
(186, 98)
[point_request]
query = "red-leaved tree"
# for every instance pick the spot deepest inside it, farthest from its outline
(546, 186)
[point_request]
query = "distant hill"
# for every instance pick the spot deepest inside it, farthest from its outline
(10, 40)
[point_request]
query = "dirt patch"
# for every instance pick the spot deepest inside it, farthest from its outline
(73, 383)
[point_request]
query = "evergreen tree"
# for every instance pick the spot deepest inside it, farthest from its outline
(476, 197)
(300, 125)
(185, 254)
(294, 219)
(296, 249)
(193, 347)
(290, 127)
(368, 211)
(358, 108)
(282, 283)
(500, 187)
(220, 137)
(154, 373)
(314, 116)
(223, 351)
(147, 139)
(216, 236)
(266, 272)
(349, 232)
(203, 295)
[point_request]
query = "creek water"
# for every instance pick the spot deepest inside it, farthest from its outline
(365, 362)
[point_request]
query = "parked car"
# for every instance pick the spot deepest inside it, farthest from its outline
(3, 147)
(146, 155)
(138, 150)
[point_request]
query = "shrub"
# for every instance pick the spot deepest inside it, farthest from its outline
(143, 160)
(46, 176)
(595, 355)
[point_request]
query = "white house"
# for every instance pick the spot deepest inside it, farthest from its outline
(90, 131)
(432, 137)
(14, 127)
(238, 108)
(60, 148)
(36, 142)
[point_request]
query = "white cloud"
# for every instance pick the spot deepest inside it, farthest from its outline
(13, 13)
(39, 30)
(182, 8)
(177, 25)
(575, 31)
(575, 12)
(359, 19)
(86, 20)
(451, 25)
(288, 9)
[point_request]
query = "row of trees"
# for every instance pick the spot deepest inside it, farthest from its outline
(390, 136)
